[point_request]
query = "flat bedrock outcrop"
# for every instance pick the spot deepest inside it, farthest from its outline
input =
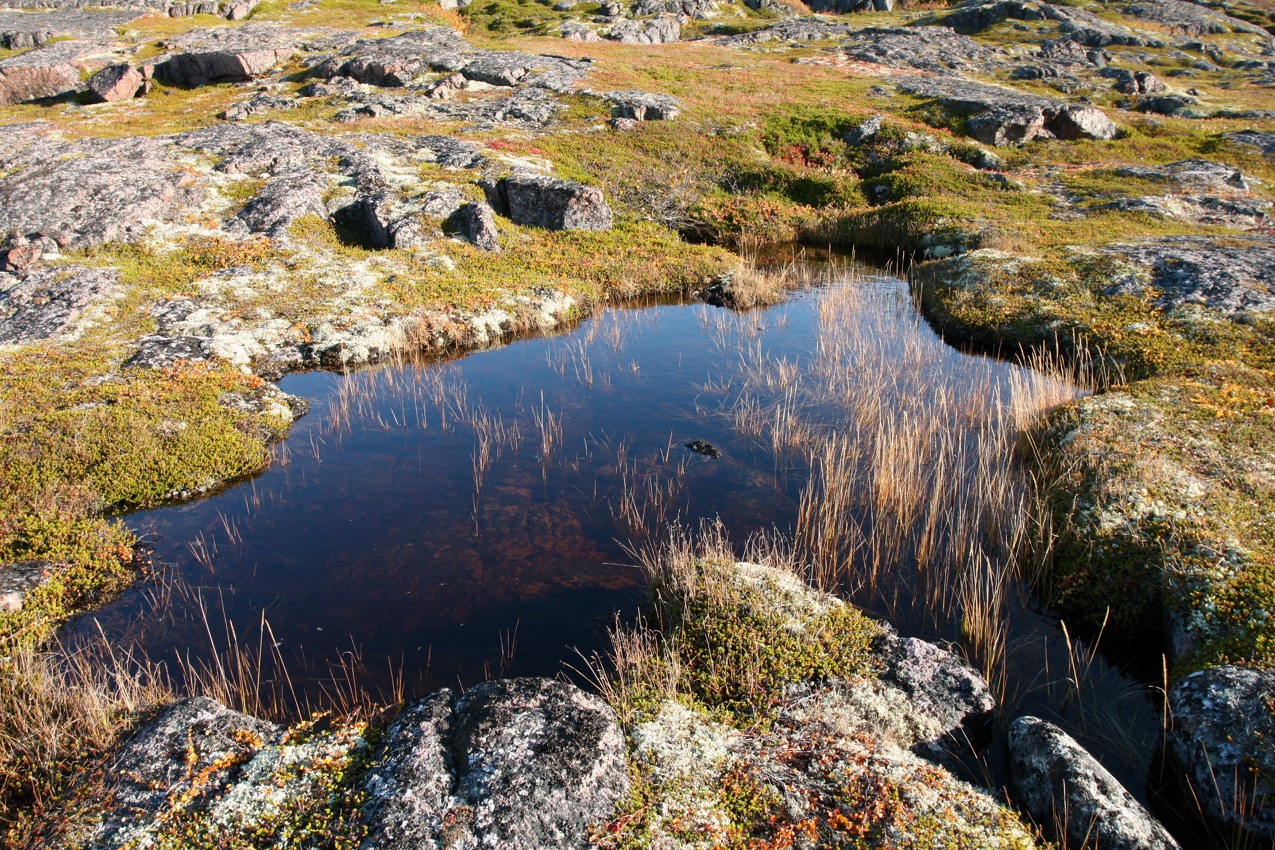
(1223, 737)
(90, 191)
(1232, 276)
(1074, 798)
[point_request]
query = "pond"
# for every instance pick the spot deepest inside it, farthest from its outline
(440, 522)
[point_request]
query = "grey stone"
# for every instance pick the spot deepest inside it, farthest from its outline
(1134, 82)
(1074, 121)
(550, 202)
(1223, 729)
(1004, 126)
(402, 59)
(442, 202)
(1197, 209)
(1219, 274)
(20, 30)
(658, 31)
(116, 82)
(91, 191)
(1189, 18)
(48, 302)
(446, 87)
(18, 580)
(194, 748)
(939, 685)
(476, 223)
(1074, 798)
(1166, 104)
(576, 31)
(518, 763)
(843, 7)
(643, 106)
(702, 10)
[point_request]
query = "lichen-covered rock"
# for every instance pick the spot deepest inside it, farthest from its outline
(1196, 173)
(282, 202)
(191, 753)
(49, 302)
(1264, 141)
(940, 685)
(160, 352)
(1190, 19)
(1224, 738)
(702, 10)
(657, 31)
(519, 763)
(935, 49)
(20, 30)
(793, 30)
(116, 82)
(550, 202)
(1073, 797)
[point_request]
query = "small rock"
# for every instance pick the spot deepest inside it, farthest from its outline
(1073, 797)
(447, 87)
(116, 82)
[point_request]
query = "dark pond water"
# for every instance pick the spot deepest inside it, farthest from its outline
(440, 523)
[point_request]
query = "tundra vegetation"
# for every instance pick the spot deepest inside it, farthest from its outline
(329, 184)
